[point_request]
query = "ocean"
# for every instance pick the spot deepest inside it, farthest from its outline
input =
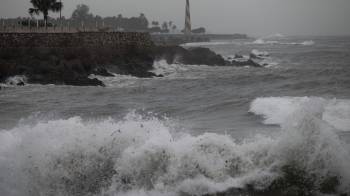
(199, 130)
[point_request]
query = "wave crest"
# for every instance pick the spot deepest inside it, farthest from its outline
(145, 155)
(261, 41)
(276, 110)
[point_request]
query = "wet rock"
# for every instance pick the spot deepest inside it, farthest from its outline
(72, 66)
(238, 56)
(20, 84)
(248, 62)
(200, 56)
(191, 56)
(101, 71)
(203, 56)
(256, 54)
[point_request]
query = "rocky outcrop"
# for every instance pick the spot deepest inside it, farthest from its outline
(199, 56)
(256, 54)
(72, 66)
(69, 58)
(192, 56)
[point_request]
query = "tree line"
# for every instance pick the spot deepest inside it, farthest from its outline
(82, 18)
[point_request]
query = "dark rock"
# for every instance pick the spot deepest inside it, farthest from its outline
(256, 54)
(101, 71)
(134, 62)
(238, 56)
(192, 56)
(248, 62)
(20, 84)
(83, 82)
(72, 66)
(199, 56)
(204, 56)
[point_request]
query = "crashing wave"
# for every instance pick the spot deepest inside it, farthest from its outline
(18, 80)
(308, 43)
(276, 110)
(120, 81)
(196, 44)
(269, 42)
(262, 41)
(304, 43)
(14, 81)
(261, 58)
(259, 54)
(145, 155)
(161, 67)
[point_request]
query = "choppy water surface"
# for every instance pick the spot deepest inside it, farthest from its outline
(198, 130)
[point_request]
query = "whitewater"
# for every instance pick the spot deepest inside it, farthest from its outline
(279, 130)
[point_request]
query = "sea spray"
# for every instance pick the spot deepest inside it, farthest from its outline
(145, 155)
(276, 110)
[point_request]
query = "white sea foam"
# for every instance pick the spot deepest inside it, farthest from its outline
(117, 80)
(259, 54)
(196, 44)
(143, 155)
(304, 43)
(263, 58)
(16, 80)
(276, 110)
(161, 67)
(308, 43)
(261, 41)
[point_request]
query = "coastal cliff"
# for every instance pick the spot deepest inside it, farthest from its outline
(70, 58)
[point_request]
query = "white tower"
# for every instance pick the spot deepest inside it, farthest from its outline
(188, 29)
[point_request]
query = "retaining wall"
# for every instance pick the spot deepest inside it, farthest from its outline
(75, 40)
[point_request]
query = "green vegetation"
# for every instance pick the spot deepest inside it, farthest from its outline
(82, 19)
(44, 6)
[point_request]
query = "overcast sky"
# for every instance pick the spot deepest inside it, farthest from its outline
(254, 17)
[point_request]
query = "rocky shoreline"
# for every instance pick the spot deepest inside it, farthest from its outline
(73, 66)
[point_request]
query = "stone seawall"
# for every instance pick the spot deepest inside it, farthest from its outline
(75, 40)
(71, 58)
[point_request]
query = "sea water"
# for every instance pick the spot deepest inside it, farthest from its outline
(199, 130)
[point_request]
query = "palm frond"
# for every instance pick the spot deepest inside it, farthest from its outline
(36, 3)
(56, 6)
(34, 11)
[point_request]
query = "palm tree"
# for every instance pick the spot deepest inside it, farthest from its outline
(44, 6)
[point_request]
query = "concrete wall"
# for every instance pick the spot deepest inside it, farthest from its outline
(74, 40)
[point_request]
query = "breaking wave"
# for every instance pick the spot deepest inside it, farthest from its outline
(304, 43)
(145, 155)
(270, 42)
(276, 110)
(261, 41)
(18, 80)
(117, 80)
(196, 44)
(161, 67)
